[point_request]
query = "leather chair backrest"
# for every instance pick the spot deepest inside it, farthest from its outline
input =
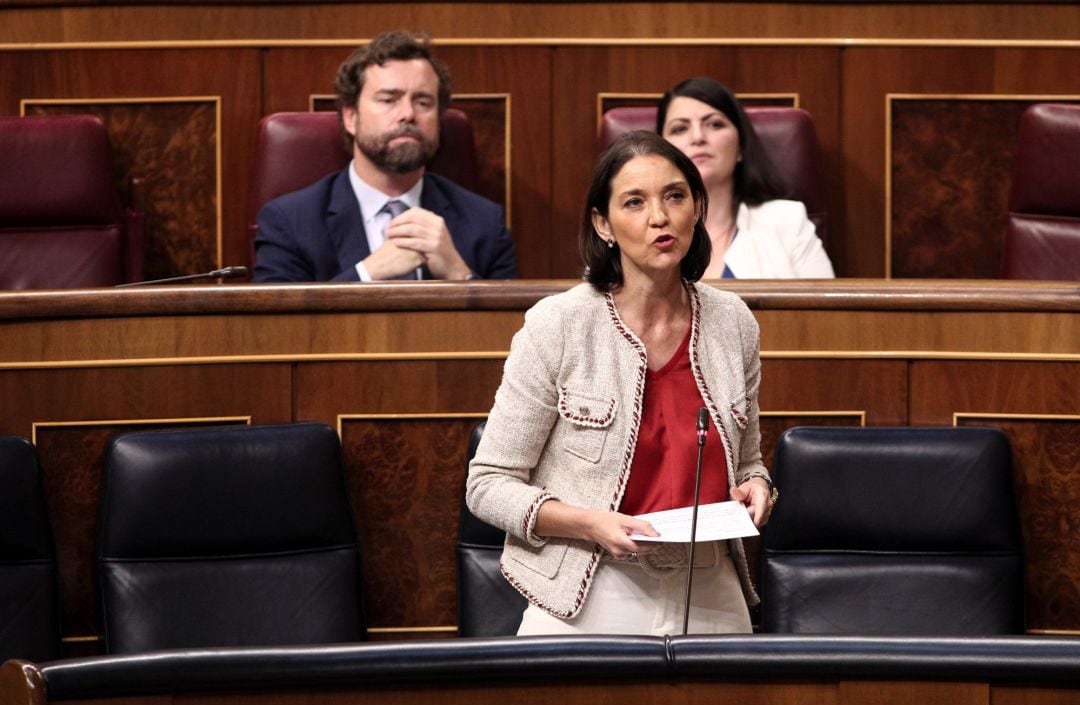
(297, 149)
(487, 604)
(1042, 232)
(236, 536)
(893, 531)
(29, 608)
(787, 135)
(61, 224)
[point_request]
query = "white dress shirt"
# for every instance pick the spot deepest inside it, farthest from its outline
(372, 201)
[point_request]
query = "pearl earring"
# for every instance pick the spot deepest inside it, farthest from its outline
(611, 242)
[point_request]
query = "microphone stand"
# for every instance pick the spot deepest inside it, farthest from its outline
(702, 431)
(224, 273)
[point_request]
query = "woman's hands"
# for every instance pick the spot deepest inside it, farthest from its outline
(754, 493)
(611, 530)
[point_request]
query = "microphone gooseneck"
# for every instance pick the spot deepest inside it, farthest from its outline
(702, 432)
(233, 272)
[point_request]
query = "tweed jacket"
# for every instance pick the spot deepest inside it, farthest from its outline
(565, 421)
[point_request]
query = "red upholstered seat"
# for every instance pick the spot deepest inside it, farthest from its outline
(298, 149)
(1042, 233)
(61, 224)
(787, 134)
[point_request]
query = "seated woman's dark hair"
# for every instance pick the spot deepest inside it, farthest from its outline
(603, 268)
(755, 179)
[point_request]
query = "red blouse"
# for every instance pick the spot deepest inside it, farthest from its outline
(665, 459)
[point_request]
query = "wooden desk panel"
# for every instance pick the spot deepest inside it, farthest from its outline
(404, 371)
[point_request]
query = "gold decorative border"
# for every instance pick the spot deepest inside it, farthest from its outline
(856, 413)
(383, 416)
(215, 99)
(341, 418)
(890, 97)
(412, 630)
(556, 42)
(606, 95)
(960, 415)
(505, 97)
(35, 425)
(501, 355)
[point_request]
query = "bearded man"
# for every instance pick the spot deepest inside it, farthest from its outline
(383, 217)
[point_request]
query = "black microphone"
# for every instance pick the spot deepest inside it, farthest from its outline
(223, 273)
(702, 432)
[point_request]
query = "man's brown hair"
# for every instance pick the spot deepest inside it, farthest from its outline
(388, 46)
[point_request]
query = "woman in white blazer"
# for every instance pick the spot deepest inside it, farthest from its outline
(594, 421)
(755, 232)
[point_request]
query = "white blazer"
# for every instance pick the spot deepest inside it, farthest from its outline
(777, 240)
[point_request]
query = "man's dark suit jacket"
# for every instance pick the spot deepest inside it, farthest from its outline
(317, 233)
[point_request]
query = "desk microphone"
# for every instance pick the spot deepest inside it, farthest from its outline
(223, 273)
(702, 432)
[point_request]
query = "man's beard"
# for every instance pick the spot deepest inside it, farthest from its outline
(399, 159)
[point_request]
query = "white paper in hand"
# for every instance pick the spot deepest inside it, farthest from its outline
(722, 520)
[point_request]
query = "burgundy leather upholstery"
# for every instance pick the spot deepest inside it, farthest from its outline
(298, 149)
(787, 134)
(61, 224)
(1042, 234)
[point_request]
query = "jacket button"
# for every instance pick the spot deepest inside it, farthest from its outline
(584, 411)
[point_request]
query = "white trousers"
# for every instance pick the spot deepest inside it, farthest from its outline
(624, 599)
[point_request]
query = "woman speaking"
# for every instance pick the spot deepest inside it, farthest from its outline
(594, 421)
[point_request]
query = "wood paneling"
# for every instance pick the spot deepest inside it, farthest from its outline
(1018, 695)
(406, 479)
(171, 148)
(876, 388)
(893, 693)
(405, 371)
(140, 74)
(1046, 465)
(405, 475)
(642, 20)
(72, 414)
(1037, 405)
(870, 74)
(941, 388)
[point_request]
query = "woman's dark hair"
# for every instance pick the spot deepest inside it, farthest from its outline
(603, 268)
(755, 179)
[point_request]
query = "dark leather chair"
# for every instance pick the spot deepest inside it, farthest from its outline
(235, 536)
(298, 149)
(29, 608)
(61, 224)
(1042, 232)
(487, 604)
(893, 531)
(787, 134)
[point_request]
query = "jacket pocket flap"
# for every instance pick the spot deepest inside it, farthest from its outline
(585, 409)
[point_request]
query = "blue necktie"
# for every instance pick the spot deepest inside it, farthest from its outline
(394, 208)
